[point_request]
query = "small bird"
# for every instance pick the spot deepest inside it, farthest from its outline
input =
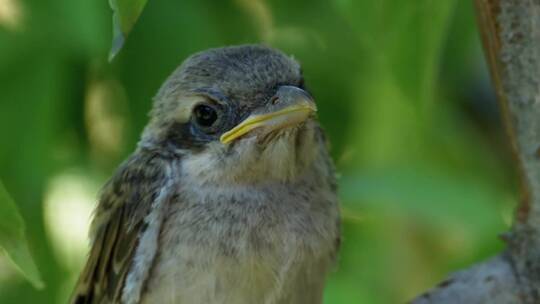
(230, 196)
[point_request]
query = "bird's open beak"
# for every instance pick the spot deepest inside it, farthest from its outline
(292, 106)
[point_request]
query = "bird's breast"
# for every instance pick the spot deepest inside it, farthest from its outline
(241, 243)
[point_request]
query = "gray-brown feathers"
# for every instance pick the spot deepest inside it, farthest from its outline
(241, 78)
(119, 222)
(246, 75)
(190, 219)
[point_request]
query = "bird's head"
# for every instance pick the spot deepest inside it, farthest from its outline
(238, 114)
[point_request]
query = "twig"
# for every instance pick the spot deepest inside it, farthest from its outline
(510, 32)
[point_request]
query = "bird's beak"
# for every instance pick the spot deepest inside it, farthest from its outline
(290, 106)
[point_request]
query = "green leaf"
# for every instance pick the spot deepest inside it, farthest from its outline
(428, 194)
(403, 40)
(125, 14)
(13, 241)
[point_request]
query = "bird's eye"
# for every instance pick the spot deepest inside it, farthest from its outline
(205, 115)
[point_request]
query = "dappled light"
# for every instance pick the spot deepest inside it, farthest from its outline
(11, 14)
(69, 200)
(105, 107)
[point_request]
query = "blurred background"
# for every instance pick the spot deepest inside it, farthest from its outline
(426, 175)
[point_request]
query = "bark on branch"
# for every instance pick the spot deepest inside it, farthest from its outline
(510, 32)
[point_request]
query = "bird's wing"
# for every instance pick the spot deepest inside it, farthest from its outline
(129, 207)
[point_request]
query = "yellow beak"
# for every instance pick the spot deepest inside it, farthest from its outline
(297, 108)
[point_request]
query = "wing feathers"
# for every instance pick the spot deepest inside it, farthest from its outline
(119, 222)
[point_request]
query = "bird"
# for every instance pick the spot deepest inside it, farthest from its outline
(230, 196)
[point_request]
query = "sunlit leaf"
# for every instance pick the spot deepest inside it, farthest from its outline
(13, 241)
(126, 13)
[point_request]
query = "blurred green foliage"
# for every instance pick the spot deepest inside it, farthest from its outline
(426, 178)
(13, 241)
(125, 14)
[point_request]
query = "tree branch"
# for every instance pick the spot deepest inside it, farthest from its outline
(510, 32)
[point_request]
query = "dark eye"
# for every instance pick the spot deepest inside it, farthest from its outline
(205, 115)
